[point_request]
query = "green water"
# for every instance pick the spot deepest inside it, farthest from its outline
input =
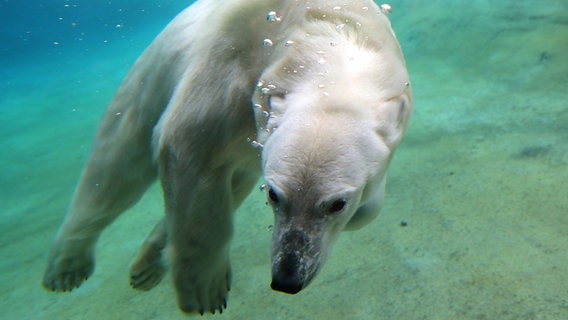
(481, 176)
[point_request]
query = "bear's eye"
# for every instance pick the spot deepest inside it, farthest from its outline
(337, 206)
(272, 196)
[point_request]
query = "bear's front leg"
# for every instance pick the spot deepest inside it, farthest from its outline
(202, 277)
(200, 226)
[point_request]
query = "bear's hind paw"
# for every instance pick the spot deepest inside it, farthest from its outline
(149, 269)
(145, 276)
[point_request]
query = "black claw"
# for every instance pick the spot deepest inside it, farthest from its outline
(225, 303)
(201, 311)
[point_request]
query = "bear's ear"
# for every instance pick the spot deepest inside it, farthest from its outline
(394, 117)
(276, 102)
(268, 103)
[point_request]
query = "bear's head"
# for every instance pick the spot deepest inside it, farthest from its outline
(324, 159)
(330, 111)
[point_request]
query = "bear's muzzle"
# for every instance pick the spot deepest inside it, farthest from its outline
(294, 261)
(287, 275)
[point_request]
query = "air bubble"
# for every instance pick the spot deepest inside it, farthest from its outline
(257, 106)
(337, 8)
(288, 43)
(262, 187)
(267, 89)
(267, 43)
(265, 114)
(256, 144)
(272, 17)
(386, 8)
(406, 86)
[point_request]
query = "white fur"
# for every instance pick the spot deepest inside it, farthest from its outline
(330, 103)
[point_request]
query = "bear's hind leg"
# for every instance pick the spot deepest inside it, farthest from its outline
(148, 269)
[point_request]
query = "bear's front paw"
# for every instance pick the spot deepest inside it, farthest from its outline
(203, 291)
(66, 272)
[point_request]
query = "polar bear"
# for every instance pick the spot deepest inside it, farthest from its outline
(318, 88)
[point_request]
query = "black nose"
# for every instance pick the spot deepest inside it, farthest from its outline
(287, 275)
(286, 285)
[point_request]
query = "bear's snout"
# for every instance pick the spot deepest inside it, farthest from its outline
(286, 275)
(293, 261)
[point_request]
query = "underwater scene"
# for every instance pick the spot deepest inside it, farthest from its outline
(474, 224)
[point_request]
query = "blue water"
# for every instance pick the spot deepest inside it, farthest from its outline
(480, 177)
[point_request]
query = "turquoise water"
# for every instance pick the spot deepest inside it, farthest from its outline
(480, 177)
